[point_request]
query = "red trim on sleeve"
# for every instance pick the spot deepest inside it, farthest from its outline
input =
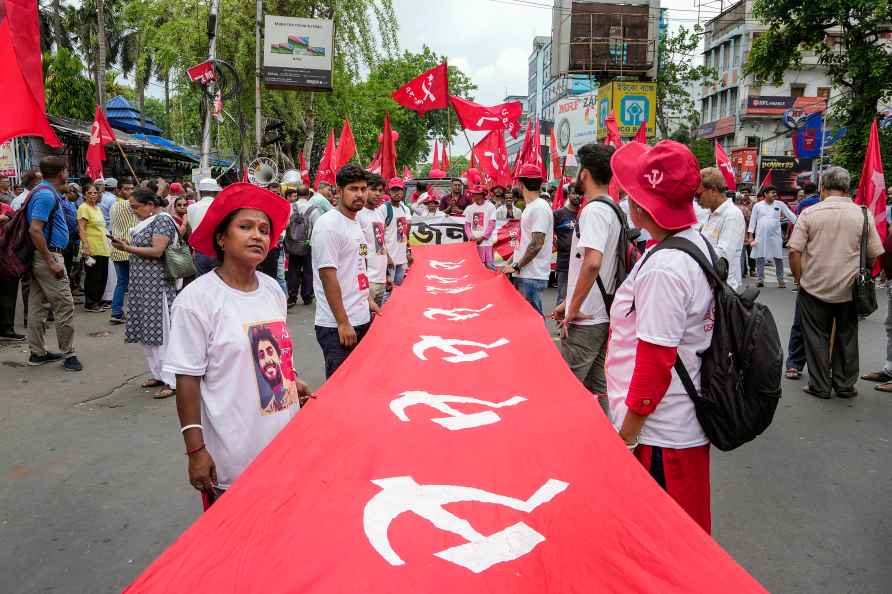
(651, 378)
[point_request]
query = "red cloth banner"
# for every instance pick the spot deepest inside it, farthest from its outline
(101, 133)
(426, 92)
(727, 168)
(481, 465)
(871, 188)
(328, 164)
(556, 172)
(473, 116)
(24, 104)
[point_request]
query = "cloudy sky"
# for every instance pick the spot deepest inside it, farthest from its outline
(491, 40)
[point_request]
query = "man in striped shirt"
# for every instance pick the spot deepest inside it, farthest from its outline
(123, 219)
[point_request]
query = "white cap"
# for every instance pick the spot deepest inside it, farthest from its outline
(209, 184)
(111, 182)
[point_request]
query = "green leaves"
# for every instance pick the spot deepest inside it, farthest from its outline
(69, 93)
(675, 76)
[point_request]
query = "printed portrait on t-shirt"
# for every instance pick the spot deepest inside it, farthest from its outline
(378, 231)
(402, 229)
(272, 351)
(477, 221)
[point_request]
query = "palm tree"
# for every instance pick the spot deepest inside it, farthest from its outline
(53, 15)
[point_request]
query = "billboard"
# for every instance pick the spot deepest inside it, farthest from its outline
(776, 105)
(745, 165)
(783, 173)
(297, 53)
(575, 121)
(7, 160)
(632, 102)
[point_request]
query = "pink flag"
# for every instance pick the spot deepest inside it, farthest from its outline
(727, 168)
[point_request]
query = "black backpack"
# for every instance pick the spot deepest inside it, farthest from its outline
(297, 239)
(740, 373)
(626, 253)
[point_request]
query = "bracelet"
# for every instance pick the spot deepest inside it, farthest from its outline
(198, 449)
(194, 426)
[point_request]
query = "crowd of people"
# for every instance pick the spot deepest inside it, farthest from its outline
(624, 320)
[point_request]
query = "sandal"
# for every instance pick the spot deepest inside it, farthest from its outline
(164, 393)
(152, 383)
(877, 376)
(794, 374)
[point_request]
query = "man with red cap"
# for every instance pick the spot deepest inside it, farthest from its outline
(663, 311)
(531, 265)
(397, 217)
(480, 222)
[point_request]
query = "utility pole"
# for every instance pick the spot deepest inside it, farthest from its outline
(100, 58)
(204, 165)
(258, 129)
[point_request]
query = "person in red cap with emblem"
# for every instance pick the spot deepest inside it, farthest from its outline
(230, 346)
(663, 311)
(480, 222)
(531, 265)
(397, 217)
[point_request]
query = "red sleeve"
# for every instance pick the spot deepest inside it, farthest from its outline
(651, 378)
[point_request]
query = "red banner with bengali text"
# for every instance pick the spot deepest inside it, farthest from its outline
(473, 462)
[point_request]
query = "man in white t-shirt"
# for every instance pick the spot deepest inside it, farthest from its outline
(480, 224)
(372, 223)
(397, 218)
(208, 188)
(725, 228)
(340, 279)
(531, 264)
(591, 278)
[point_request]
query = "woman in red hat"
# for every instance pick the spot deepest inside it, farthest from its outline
(230, 346)
(663, 311)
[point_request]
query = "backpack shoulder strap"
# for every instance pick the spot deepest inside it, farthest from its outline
(389, 218)
(684, 245)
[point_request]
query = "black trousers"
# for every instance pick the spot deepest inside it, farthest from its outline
(95, 278)
(9, 292)
(817, 319)
(333, 351)
(796, 346)
(300, 276)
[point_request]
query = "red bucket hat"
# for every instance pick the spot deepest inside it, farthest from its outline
(476, 189)
(176, 189)
(661, 179)
(234, 197)
(396, 182)
(530, 171)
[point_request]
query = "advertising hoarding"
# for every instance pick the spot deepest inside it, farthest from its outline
(632, 102)
(297, 53)
(575, 121)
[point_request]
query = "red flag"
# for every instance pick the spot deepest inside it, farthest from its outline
(435, 164)
(442, 500)
(427, 92)
(327, 164)
(555, 157)
(445, 157)
(24, 105)
(504, 116)
(346, 145)
(491, 159)
(613, 136)
(641, 135)
(245, 176)
(534, 151)
(766, 181)
(101, 133)
(871, 188)
(724, 164)
(304, 172)
(388, 151)
(524, 149)
(375, 164)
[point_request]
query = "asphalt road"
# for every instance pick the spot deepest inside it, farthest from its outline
(93, 477)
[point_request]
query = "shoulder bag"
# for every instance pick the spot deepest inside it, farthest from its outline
(864, 292)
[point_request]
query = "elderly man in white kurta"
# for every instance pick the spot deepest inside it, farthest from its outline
(765, 223)
(725, 228)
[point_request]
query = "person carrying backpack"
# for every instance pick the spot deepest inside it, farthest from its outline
(598, 251)
(663, 311)
(297, 245)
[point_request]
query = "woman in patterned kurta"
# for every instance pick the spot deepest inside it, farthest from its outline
(151, 292)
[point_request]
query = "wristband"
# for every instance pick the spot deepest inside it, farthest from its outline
(194, 426)
(198, 449)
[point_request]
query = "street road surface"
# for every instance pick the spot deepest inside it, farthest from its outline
(94, 479)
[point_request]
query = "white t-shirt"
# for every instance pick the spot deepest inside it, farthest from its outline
(537, 218)
(673, 307)
(599, 230)
(195, 212)
(397, 231)
(373, 228)
(725, 229)
(426, 214)
(478, 218)
(240, 346)
(501, 213)
(338, 242)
